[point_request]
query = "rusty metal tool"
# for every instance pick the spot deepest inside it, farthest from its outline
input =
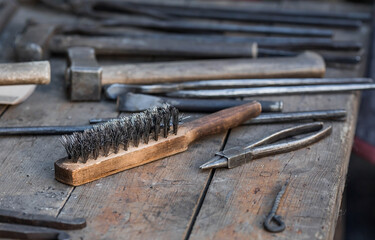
(40, 39)
(114, 90)
(85, 77)
(101, 9)
(7, 9)
(266, 118)
(197, 12)
(131, 102)
(362, 16)
(95, 28)
(21, 225)
(84, 8)
(270, 91)
(237, 156)
(25, 73)
(273, 217)
(154, 46)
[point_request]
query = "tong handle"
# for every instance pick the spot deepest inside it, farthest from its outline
(273, 149)
(288, 132)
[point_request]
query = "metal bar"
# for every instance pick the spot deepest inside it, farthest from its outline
(41, 130)
(258, 17)
(206, 27)
(269, 91)
(266, 118)
(114, 90)
(362, 16)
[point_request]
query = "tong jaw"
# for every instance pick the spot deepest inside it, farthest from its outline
(235, 156)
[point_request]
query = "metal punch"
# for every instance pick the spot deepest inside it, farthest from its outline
(267, 146)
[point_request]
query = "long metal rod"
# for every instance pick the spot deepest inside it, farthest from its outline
(289, 43)
(114, 90)
(200, 13)
(262, 119)
(269, 91)
(206, 27)
(265, 118)
(362, 16)
(188, 11)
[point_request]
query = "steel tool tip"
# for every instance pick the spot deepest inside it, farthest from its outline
(215, 162)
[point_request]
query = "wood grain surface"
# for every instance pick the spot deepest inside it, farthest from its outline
(172, 198)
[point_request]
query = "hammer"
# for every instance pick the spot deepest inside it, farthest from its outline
(85, 77)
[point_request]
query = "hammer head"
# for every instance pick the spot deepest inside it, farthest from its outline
(33, 43)
(83, 74)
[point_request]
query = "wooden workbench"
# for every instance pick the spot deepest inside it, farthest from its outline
(172, 198)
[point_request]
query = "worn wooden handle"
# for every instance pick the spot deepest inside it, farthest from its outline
(25, 73)
(307, 64)
(222, 120)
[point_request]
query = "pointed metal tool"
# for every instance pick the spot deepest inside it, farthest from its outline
(237, 156)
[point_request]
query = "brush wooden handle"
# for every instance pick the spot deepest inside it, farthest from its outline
(305, 65)
(222, 120)
(76, 174)
(25, 73)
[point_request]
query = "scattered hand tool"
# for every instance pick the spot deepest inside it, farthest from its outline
(272, 217)
(114, 90)
(249, 10)
(25, 73)
(85, 77)
(237, 156)
(7, 9)
(31, 226)
(238, 14)
(96, 153)
(265, 118)
(72, 5)
(100, 9)
(270, 91)
(186, 25)
(180, 48)
(131, 102)
(57, 37)
(40, 39)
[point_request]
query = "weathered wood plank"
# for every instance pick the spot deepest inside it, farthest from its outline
(238, 200)
(26, 163)
(154, 201)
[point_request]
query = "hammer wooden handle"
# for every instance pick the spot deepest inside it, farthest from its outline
(307, 64)
(25, 73)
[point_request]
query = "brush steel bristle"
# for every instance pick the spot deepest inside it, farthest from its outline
(109, 137)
